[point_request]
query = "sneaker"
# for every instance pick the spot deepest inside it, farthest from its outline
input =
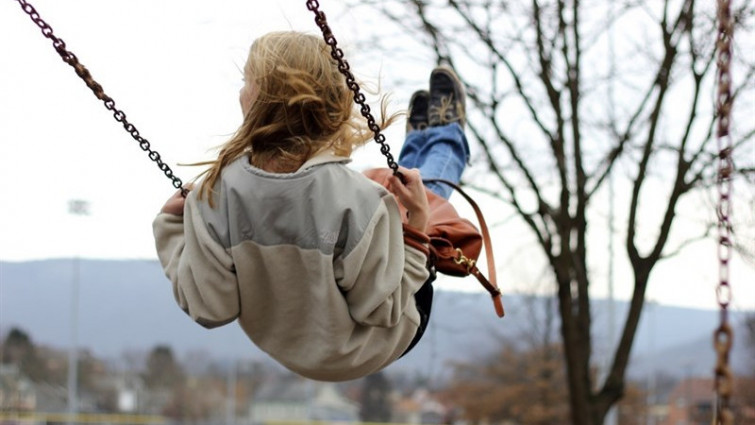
(417, 119)
(447, 98)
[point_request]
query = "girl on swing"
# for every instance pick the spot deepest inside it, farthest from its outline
(311, 257)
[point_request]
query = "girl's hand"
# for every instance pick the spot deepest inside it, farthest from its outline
(411, 194)
(175, 204)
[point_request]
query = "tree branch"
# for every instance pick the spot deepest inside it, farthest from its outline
(485, 38)
(544, 236)
(643, 266)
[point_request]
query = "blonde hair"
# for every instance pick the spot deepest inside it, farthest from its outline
(303, 106)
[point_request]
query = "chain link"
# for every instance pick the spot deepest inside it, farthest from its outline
(71, 59)
(723, 335)
(344, 68)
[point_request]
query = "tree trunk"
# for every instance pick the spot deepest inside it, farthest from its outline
(579, 389)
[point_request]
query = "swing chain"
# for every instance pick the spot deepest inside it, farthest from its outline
(723, 335)
(71, 59)
(344, 68)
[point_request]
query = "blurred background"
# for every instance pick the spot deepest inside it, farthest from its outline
(594, 157)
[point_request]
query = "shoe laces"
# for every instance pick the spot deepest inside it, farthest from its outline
(448, 111)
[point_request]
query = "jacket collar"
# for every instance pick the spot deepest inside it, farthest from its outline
(323, 158)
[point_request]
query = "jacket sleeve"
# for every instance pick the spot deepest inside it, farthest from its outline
(386, 268)
(201, 270)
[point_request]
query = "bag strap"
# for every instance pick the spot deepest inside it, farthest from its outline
(491, 284)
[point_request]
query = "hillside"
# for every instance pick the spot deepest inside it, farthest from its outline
(128, 306)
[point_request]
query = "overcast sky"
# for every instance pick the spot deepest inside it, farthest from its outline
(173, 67)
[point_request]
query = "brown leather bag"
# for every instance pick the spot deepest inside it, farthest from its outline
(455, 243)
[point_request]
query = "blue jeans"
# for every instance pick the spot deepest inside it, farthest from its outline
(439, 153)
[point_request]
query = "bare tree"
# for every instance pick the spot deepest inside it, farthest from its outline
(18, 349)
(162, 369)
(375, 399)
(568, 98)
(523, 386)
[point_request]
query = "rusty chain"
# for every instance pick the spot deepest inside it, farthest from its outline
(71, 59)
(344, 68)
(723, 335)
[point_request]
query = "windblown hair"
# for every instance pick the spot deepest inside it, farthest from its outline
(303, 106)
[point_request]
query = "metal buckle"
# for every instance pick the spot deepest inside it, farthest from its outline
(469, 263)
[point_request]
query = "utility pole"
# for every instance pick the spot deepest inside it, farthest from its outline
(231, 399)
(76, 207)
(612, 416)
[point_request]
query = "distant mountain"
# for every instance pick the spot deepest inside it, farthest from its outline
(128, 306)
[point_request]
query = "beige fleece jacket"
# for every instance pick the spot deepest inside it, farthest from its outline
(313, 264)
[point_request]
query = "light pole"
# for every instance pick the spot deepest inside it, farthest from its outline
(612, 417)
(76, 207)
(231, 400)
